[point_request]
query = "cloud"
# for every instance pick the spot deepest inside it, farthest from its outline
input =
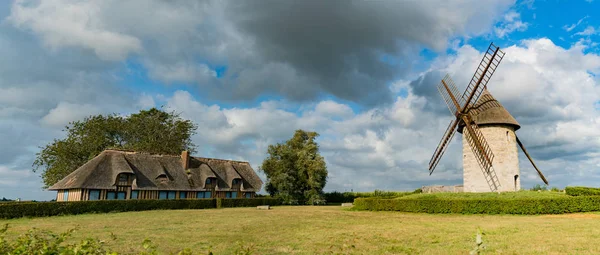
(73, 24)
(573, 26)
(589, 30)
(66, 112)
(306, 53)
(512, 22)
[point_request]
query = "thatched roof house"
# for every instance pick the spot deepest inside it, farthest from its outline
(129, 175)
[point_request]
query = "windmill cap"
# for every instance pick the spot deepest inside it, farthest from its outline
(488, 111)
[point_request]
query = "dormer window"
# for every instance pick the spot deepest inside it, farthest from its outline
(122, 178)
(236, 181)
(208, 181)
(162, 178)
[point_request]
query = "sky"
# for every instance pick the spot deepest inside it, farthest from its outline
(363, 74)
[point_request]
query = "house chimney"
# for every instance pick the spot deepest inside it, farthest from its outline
(185, 159)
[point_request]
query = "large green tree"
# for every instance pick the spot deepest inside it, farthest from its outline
(295, 170)
(153, 131)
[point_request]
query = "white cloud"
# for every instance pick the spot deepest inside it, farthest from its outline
(512, 22)
(573, 26)
(589, 30)
(66, 112)
(63, 23)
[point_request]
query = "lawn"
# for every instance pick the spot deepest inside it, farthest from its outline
(329, 229)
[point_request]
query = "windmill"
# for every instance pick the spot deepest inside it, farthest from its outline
(490, 155)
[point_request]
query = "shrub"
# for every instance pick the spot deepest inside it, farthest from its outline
(542, 205)
(582, 191)
(42, 242)
(539, 187)
(40, 209)
(348, 197)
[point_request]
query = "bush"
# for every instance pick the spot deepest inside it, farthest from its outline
(348, 197)
(244, 202)
(40, 209)
(582, 191)
(543, 205)
(539, 187)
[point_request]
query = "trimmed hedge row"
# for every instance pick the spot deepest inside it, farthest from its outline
(483, 206)
(41, 209)
(582, 191)
(348, 197)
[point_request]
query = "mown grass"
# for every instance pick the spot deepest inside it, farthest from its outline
(487, 195)
(327, 230)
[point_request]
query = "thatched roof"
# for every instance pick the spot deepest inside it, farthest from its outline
(159, 172)
(488, 111)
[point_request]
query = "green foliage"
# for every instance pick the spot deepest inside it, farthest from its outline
(41, 242)
(348, 197)
(479, 246)
(539, 187)
(582, 191)
(486, 195)
(153, 131)
(42, 209)
(38, 242)
(489, 205)
(295, 170)
(244, 202)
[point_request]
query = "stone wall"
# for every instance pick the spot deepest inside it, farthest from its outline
(503, 143)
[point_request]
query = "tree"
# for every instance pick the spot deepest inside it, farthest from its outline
(295, 170)
(152, 131)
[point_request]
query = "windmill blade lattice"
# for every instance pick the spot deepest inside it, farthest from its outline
(443, 145)
(490, 61)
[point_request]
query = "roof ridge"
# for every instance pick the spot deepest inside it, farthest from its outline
(219, 159)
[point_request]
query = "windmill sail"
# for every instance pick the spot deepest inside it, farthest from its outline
(490, 61)
(443, 145)
(531, 160)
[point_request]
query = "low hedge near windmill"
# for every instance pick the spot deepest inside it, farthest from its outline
(574, 199)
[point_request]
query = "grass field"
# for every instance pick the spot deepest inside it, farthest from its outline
(329, 229)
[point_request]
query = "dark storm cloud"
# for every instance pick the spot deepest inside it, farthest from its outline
(337, 46)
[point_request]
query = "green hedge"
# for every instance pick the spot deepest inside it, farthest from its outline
(348, 197)
(41, 209)
(244, 202)
(483, 206)
(582, 191)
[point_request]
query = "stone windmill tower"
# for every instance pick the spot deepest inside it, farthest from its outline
(490, 156)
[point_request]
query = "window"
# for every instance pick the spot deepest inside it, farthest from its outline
(94, 195)
(182, 194)
(122, 178)
(236, 181)
(203, 194)
(248, 195)
(111, 195)
(228, 194)
(231, 194)
(162, 195)
(171, 195)
(65, 195)
(234, 194)
(134, 194)
(208, 181)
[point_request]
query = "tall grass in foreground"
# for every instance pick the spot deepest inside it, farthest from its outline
(44, 242)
